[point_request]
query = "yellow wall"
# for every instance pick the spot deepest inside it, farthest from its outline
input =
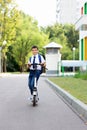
(85, 49)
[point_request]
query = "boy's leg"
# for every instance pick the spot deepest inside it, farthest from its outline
(31, 84)
(38, 75)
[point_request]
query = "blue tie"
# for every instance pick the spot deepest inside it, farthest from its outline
(34, 62)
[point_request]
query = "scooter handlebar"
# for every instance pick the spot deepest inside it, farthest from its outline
(38, 64)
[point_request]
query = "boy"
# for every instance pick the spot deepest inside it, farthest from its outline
(38, 59)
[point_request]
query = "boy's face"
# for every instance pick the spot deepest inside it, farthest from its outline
(34, 51)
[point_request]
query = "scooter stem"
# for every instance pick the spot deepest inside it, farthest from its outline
(35, 84)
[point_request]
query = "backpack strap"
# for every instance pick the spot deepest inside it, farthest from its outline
(30, 59)
(39, 56)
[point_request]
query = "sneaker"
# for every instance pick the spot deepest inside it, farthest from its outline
(31, 98)
(37, 99)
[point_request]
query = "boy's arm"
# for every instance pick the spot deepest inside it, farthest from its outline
(29, 64)
(43, 64)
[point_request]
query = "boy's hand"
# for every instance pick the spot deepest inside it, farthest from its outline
(43, 64)
(29, 65)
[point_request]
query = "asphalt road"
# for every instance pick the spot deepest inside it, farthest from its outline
(17, 113)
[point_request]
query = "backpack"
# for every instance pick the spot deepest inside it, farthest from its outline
(42, 67)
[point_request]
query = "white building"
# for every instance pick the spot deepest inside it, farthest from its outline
(81, 25)
(67, 11)
(53, 58)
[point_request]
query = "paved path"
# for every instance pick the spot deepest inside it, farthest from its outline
(17, 113)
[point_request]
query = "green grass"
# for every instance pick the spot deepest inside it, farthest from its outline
(75, 86)
(81, 75)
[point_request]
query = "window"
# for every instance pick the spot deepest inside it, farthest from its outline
(52, 50)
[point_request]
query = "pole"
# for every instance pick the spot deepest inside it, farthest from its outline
(74, 58)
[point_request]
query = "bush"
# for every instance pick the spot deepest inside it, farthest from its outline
(81, 75)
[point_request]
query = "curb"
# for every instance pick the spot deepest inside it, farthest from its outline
(79, 107)
(4, 74)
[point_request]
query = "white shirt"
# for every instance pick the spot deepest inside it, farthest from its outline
(36, 61)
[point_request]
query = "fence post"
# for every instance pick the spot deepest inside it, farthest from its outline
(62, 70)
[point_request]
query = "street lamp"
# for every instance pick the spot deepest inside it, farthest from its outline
(74, 57)
(4, 42)
(74, 53)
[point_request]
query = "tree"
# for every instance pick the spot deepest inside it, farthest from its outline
(8, 19)
(28, 34)
(67, 36)
(72, 35)
(56, 33)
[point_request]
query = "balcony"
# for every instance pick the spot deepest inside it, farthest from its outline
(81, 24)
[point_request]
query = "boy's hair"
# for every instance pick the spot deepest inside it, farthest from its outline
(34, 47)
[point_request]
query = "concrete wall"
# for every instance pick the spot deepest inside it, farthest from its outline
(52, 63)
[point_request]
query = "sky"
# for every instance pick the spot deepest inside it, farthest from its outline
(44, 11)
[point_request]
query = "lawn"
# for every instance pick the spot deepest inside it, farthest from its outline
(75, 86)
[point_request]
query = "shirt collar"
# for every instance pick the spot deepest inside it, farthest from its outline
(35, 55)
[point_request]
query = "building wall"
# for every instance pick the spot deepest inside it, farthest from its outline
(83, 33)
(52, 61)
(66, 11)
(83, 9)
(85, 41)
(53, 64)
(83, 48)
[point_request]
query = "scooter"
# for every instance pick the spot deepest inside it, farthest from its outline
(35, 92)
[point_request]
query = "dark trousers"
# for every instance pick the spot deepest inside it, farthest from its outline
(32, 75)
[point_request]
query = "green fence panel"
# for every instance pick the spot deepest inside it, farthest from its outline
(85, 8)
(82, 49)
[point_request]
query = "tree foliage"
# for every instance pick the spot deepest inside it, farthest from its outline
(72, 35)
(67, 36)
(8, 21)
(56, 34)
(28, 34)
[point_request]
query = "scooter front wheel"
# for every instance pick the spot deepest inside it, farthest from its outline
(34, 100)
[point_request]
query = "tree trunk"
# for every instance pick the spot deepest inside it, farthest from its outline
(4, 63)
